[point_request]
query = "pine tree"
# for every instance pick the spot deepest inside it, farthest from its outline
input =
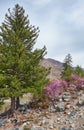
(79, 71)
(20, 70)
(67, 68)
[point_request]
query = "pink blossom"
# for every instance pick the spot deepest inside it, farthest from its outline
(77, 80)
(55, 88)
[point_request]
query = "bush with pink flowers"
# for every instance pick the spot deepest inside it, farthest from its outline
(77, 81)
(55, 88)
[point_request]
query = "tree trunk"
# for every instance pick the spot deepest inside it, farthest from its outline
(12, 104)
(17, 102)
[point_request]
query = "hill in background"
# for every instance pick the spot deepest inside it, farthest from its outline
(56, 67)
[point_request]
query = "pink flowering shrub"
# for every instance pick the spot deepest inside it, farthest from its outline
(55, 88)
(77, 81)
(74, 76)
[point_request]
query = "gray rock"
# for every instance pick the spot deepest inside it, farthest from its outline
(79, 93)
(43, 121)
(66, 98)
(66, 93)
(16, 129)
(3, 122)
(71, 128)
(64, 128)
(80, 102)
(36, 128)
(48, 116)
(82, 126)
(51, 126)
(41, 128)
(54, 125)
(72, 113)
(60, 107)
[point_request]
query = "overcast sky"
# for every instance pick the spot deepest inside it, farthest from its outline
(61, 24)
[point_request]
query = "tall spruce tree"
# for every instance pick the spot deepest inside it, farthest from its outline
(20, 70)
(67, 68)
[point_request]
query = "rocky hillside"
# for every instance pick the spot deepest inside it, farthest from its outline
(55, 66)
(66, 113)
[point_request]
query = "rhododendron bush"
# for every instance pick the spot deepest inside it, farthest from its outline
(55, 88)
(77, 81)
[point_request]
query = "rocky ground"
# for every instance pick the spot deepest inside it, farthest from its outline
(66, 113)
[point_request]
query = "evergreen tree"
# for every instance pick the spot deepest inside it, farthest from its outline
(20, 71)
(79, 71)
(67, 68)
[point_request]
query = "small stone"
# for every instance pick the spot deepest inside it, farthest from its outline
(66, 98)
(64, 128)
(48, 116)
(60, 99)
(72, 125)
(54, 125)
(66, 93)
(68, 106)
(80, 102)
(78, 93)
(72, 113)
(60, 107)
(82, 126)
(51, 126)
(43, 121)
(71, 128)
(58, 119)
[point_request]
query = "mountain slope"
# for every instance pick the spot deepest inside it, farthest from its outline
(56, 67)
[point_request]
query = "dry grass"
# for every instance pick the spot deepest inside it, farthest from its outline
(5, 106)
(25, 99)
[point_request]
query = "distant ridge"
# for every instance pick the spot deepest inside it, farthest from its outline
(56, 68)
(55, 62)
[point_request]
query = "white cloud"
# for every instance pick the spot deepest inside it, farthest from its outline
(38, 3)
(76, 14)
(41, 2)
(61, 24)
(78, 58)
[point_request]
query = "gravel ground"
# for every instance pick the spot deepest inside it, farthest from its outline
(65, 114)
